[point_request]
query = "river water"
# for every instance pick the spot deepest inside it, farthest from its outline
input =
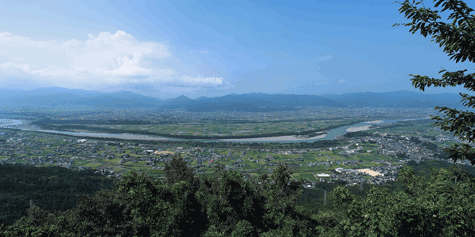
(330, 135)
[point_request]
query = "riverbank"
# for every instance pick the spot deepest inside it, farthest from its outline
(329, 133)
(375, 121)
(299, 136)
(357, 129)
(273, 139)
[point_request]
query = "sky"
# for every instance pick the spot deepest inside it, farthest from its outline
(212, 48)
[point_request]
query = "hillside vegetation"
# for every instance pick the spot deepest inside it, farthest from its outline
(439, 204)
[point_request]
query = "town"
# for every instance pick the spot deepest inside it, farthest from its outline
(372, 157)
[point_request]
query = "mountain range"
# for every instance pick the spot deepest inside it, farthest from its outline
(251, 102)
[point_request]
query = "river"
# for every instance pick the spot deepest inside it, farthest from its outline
(330, 135)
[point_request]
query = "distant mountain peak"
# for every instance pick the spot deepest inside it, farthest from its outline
(178, 102)
(182, 98)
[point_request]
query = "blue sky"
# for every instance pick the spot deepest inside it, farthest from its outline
(213, 48)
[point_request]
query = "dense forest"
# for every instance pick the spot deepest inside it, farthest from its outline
(418, 204)
(50, 188)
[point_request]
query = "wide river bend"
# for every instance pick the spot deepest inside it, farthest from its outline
(330, 135)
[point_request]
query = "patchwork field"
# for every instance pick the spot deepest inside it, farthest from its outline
(226, 129)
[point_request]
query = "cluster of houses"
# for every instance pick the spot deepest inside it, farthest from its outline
(19, 146)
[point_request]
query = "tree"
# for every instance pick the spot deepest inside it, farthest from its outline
(437, 205)
(458, 40)
(140, 206)
(219, 168)
(178, 170)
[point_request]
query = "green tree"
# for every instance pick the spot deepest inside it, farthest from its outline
(458, 40)
(262, 207)
(137, 206)
(440, 204)
(177, 170)
(140, 206)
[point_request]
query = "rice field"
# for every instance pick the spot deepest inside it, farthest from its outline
(226, 129)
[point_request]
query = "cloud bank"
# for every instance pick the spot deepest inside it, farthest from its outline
(105, 59)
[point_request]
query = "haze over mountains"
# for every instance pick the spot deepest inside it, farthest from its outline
(252, 102)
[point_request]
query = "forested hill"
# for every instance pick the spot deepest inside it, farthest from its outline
(252, 102)
(225, 204)
(50, 188)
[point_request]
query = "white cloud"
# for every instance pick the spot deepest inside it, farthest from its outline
(341, 81)
(225, 86)
(105, 59)
(203, 80)
(11, 66)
